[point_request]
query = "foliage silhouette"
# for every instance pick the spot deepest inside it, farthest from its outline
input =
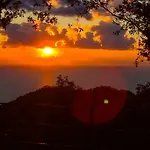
(134, 16)
(131, 15)
(142, 88)
(64, 82)
(11, 9)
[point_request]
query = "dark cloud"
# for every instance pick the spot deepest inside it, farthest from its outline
(25, 34)
(19, 34)
(87, 42)
(70, 11)
(28, 4)
(109, 40)
(62, 10)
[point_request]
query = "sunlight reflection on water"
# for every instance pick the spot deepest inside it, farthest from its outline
(17, 81)
(45, 80)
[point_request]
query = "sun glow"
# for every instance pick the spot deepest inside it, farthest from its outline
(48, 52)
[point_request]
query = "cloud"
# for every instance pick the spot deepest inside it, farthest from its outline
(61, 8)
(88, 42)
(29, 4)
(63, 11)
(109, 40)
(93, 37)
(25, 34)
(99, 14)
(69, 12)
(3, 37)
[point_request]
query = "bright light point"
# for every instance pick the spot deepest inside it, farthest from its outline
(106, 101)
(48, 52)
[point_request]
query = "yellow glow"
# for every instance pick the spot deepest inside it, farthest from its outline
(3, 38)
(60, 43)
(54, 3)
(106, 101)
(50, 31)
(67, 57)
(48, 52)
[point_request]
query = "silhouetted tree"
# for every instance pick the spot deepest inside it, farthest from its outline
(64, 82)
(132, 16)
(11, 9)
(142, 88)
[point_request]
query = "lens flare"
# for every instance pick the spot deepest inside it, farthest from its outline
(106, 101)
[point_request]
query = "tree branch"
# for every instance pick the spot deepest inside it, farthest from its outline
(122, 18)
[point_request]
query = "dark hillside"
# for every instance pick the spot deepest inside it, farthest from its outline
(81, 118)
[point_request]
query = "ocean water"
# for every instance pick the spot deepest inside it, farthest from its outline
(17, 81)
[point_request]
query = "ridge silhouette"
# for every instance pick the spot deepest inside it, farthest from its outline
(65, 116)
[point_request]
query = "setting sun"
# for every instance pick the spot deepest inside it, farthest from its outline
(47, 52)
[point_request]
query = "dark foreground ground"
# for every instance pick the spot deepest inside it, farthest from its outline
(45, 120)
(31, 133)
(123, 141)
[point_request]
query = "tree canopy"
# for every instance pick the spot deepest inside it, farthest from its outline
(132, 16)
(11, 9)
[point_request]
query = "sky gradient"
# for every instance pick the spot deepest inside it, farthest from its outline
(96, 45)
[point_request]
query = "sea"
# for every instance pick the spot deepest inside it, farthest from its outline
(16, 81)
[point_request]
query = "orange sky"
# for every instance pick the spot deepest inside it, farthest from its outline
(27, 55)
(66, 57)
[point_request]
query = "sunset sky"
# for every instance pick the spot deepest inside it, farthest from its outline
(96, 45)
